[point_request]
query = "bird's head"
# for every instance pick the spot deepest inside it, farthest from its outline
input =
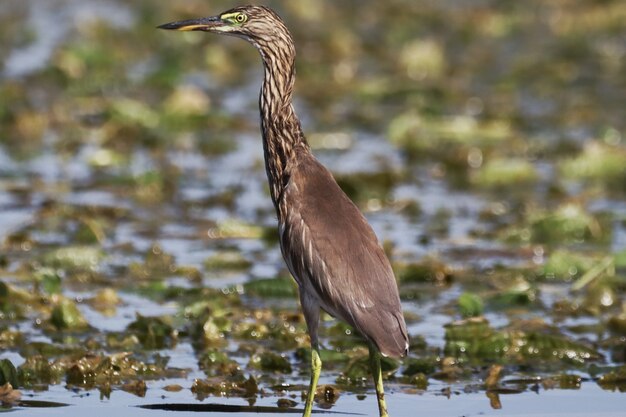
(253, 23)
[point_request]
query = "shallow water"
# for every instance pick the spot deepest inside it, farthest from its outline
(484, 142)
(589, 400)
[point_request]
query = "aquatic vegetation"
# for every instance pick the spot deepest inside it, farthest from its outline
(614, 380)
(49, 280)
(567, 224)
(357, 371)
(363, 186)
(617, 324)
(101, 371)
(82, 258)
(272, 287)
(419, 135)
(152, 332)
(8, 395)
(227, 260)
(470, 305)
(566, 265)
(488, 152)
(326, 395)
(532, 346)
(215, 362)
(427, 270)
(105, 301)
(474, 338)
(65, 315)
(599, 162)
(156, 265)
(233, 228)
(420, 366)
(271, 362)
(237, 386)
(8, 373)
(37, 371)
(505, 173)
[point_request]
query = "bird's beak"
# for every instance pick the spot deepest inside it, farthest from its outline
(206, 24)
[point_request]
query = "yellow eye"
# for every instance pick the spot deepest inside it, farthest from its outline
(240, 18)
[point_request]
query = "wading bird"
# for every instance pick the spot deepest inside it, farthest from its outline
(328, 245)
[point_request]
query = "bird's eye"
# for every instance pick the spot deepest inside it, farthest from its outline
(240, 18)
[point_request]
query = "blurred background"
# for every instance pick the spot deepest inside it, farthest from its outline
(484, 140)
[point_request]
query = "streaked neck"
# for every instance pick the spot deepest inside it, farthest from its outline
(279, 124)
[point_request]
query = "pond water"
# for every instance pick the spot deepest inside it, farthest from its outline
(589, 400)
(140, 272)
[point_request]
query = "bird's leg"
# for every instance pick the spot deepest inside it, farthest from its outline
(312, 316)
(378, 380)
(316, 368)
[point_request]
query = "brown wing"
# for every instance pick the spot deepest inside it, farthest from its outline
(333, 253)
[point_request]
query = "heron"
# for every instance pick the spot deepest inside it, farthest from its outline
(329, 247)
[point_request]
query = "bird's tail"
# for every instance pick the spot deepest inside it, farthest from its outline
(389, 334)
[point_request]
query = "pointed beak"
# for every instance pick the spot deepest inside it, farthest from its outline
(206, 24)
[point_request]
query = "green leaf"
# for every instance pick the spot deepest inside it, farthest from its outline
(49, 279)
(8, 373)
(67, 316)
(281, 287)
(271, 362)
(153, 332)
(470, 305)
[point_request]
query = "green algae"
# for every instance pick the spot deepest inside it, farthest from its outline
(49, 280)
(105, 301)
(74, 258)
(66, 316)
(474, 339)
(215, 362)
(615, 380)
(10, 338)
(227, 260)
(427, 270)
(564, 265)
(598, 162)
(8, 373)
(567, 224)
(363, 187)
(470, 305)
(537, 347)
(10, 306)
(420, 135)
(233, 387)
(235, 228)
(326, 395)
(514, 293)
(98, 145)
(617, 324)
(330, 357)
(420, 366)
(156, 264)
(215, 328)
(37, 371)
(87, 371)
(137, 387)
(92, 371)
(281, 287)
(357, 371)
(153, 332)
(505, 173)
(271, 362)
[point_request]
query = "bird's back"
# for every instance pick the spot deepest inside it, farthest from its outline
(335, 256)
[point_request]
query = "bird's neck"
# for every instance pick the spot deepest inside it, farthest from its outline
(280, 126)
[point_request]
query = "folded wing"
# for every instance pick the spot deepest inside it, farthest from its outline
(334, 254)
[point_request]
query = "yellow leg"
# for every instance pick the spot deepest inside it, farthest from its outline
(378, 380)
(316, 368)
